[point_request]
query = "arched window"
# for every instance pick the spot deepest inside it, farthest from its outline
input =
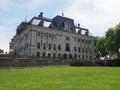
(67, 47)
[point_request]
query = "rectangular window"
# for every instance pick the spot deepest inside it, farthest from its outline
(59, 47)
(78, 40)
(54, 47)
(49, 46)
(79, 49)
(38, 45)
(49, 35)
(75, 49)
(67, 38)
(44, 46)
(38, 54)
(38, 33)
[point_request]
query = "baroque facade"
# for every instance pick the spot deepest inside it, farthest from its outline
(54, 38)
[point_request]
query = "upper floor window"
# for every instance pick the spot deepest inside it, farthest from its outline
(75, 49)
(49, 46)
(54, 47)
(59, 47)
(67, 38)
(38, 33)
(38, 45)
(78, 40)
(44, 46)
(67, 47)
(79, 49)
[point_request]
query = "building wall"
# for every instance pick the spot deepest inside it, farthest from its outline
(35, 40)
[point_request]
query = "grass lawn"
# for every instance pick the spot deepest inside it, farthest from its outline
(60, 78)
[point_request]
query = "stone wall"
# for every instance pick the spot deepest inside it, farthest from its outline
(24, 62)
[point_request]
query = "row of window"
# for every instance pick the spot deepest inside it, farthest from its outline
(47, 35)
(54, 36)
(70, 56)
(67, 47)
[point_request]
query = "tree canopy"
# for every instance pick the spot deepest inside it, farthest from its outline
(1, 51)
(110, 43)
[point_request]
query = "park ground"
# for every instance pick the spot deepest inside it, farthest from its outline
(60, 78)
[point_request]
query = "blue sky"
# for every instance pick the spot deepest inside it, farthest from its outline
(96, 15)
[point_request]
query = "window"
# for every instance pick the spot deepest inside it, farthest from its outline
(67, 47)
(82, 57)
(41, 34)
(49, 54)
(90, 51)
(78, 40)
(78, 49)
(59, 55)
(75, 49)
(90, 42)
(59, 47)
(38, 33)
(54, 47)
(43, 54)
(82, 50)
(49, 35)
(64, 55)
(54, 55)
(90, 58)
(79, 56)
(44, 34)
(38, 54)
(49, 46)
(86, 57)
(86, 50)
(38, 45)
(74, 39)
(75, 55)
(70, 56)
(67, 38)
(44, 46)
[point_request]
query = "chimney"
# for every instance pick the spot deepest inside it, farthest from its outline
(78, 25)
(41, 14)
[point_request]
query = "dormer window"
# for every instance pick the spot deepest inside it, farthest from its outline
(67, 26)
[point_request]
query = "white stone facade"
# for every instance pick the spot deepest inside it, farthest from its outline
(37, 41)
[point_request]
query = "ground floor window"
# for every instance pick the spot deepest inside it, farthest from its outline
(75, 55)
(82, 57)
(59, 55)
(54, 55)
(38, 54)
(70, 56)
(64, 55)
(43, 54)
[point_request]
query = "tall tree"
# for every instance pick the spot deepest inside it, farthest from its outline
(1, 51)
(110, 41)
(117, 38)
(100, 46)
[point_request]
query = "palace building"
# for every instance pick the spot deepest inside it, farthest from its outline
(53, 38)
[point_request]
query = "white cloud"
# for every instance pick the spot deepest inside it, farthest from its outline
(33, 4)
(96, 15)
(4, 38)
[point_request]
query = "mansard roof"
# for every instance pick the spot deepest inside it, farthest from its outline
(58, 22)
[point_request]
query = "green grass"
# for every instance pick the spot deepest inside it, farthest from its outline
(61, 78)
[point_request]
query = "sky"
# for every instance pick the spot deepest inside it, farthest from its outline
(96, 15)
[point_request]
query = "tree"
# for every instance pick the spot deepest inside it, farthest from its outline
(100, 46)
(117, 38)
(1, 51)
(110, 41)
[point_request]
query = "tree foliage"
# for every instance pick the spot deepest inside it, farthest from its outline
(1, 51)
(110, 43)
